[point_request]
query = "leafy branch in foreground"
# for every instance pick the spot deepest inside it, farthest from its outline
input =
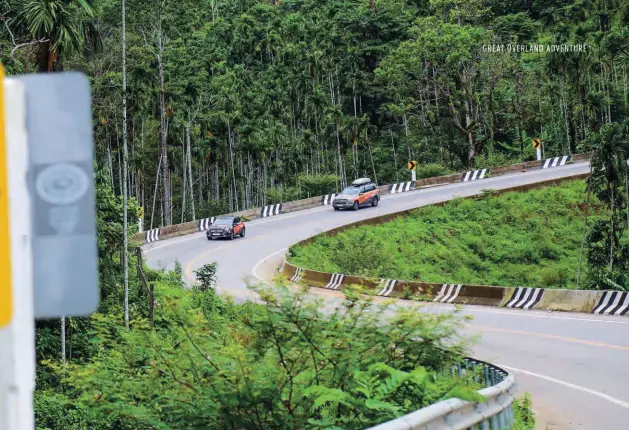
(289, 362)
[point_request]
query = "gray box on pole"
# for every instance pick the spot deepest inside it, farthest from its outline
(61, 183)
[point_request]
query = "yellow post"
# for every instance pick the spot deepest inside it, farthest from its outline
(6, 299)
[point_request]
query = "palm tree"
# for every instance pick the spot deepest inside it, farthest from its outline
(609, 160)
(62, 27)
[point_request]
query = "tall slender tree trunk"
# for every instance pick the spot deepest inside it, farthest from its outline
(189, 157)
(397, 175)
(63, 340)
(125, 168)
(408, 146)
(168, 220)
(110, 162)
(613, 230)
(159, 167)
(184, 178)
(230, 139)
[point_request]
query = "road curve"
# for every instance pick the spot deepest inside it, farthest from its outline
(575, 365)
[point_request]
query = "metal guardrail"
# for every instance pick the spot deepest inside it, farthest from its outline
(495, 413)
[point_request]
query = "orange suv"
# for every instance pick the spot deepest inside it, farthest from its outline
(362, 192)
(226, 226)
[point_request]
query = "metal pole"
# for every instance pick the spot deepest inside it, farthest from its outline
(17, 339)
(63, 340)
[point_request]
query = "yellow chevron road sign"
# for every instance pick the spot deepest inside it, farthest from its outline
(537, 143)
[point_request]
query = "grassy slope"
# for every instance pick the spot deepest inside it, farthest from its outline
(517, 239)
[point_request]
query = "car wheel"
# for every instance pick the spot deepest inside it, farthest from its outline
(335, 208)
(356, 206)
(231, 235)
(209, 238)
(374, 203)
(242, 233)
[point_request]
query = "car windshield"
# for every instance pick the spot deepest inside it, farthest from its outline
(352, 191)
(223, 221)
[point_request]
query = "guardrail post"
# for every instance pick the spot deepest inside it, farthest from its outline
(484, 425)
(493, 423)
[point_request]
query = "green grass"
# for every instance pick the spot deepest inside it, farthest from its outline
(517, 239)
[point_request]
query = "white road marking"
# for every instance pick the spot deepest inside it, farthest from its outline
(386, 197)
(569, 385)
(528, 314)
(255, 268)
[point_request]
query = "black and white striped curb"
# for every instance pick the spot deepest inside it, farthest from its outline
(152, 235)
(298, 275)
(335, 281)
(448, 293)
(525, 298)
(205, 223)
(555, 161)
(281, 269)
(474, 175)
(386, 286)
(613, 303)
(271, 210)
(327, 199)
(402, 187)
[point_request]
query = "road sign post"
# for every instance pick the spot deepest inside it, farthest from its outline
(412, 166)
(141, 220)
(48, 244)
(61, 185)
(538, 145)
(17, 339)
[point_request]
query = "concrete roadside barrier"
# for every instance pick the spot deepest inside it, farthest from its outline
(612, 303)
(316, 201)
(524, 298)
(569, 300)
(438, 293)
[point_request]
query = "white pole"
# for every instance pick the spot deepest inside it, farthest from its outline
(413, 175)
(17, 340)
(539, 153)
(63, 340)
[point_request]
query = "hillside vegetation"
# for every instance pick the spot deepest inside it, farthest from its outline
(517, 239)
(234, 104)
(282, 364)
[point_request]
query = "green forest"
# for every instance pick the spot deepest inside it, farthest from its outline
(237, 104)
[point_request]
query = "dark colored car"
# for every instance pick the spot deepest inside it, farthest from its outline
(226, 227)
(362, 192)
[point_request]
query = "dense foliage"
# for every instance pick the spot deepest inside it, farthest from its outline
(211, 364)
(516, 239)
(238, 103)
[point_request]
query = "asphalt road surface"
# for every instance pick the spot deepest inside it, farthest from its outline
(576, 366)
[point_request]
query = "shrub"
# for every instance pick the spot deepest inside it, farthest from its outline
(206, 276)
(317, 185)
(281, 195)
(280, 364)
(432, 170)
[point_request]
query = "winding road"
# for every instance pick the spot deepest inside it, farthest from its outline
(576, 366)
